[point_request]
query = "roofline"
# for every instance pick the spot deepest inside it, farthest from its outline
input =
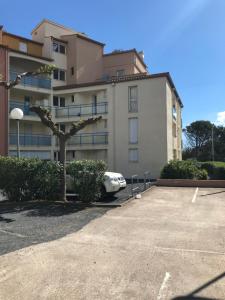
(127, 51)
(124, 79)
(51, 22)
(22, 38)
(57, 39)
(84, 38)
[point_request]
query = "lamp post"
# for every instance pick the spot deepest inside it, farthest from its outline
(213, 150)
(17, 114)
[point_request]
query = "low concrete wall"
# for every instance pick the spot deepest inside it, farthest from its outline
(191, 183)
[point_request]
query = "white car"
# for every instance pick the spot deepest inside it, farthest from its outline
(113, 183)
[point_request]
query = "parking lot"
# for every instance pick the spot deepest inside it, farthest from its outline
(170, 244)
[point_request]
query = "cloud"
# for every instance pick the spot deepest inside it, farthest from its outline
(220, 120)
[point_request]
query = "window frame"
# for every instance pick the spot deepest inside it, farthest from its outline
(129, 156)
(132, 100)
(58, 46)
(58, 72)
(130, 133)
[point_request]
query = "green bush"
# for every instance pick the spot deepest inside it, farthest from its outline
(202, 175)
(29, 179)
(216, 170)
(185, 169)
(88, 178)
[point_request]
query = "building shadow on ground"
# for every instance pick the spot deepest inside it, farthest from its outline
(192, 295)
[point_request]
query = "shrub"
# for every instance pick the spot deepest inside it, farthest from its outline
(29, 179)
(202, 175)
(88, 178)
(216, 170)
(176, 169)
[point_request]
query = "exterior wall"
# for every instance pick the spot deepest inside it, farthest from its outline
(128, 61)
(155, 140)
(152, 128)
(174, 130)
(86, 59)
(13, 43)
(3, 103)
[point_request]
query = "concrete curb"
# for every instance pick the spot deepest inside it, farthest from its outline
(191, 183)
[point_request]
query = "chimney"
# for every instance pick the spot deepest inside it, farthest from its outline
(141, 54)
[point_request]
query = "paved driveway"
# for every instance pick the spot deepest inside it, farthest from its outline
(169, 244)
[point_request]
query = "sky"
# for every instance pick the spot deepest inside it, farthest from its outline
(185, 38)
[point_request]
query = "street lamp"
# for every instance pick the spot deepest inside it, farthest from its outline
(17, 114)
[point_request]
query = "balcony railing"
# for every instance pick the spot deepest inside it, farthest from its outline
(30, 139)
(25, 108)
(100, 138)
(36, 81)
(81, 110)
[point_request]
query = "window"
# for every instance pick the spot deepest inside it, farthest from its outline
(59, 47)
(23, 47)
(72, 71)
(120, 73)
(133, 131)
(58, 101)
(59, 74)
(133, 155)
(132, 99)
(174, 112)
(72, 99)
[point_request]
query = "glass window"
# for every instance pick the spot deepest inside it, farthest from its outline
(62, 75)
(58, 47)
(55, 101)
(120, 73)
(72, 71)
(59, 74)
(62, 102)
(174, 112)
(133, 155)
(55, 47)
(62, 127)
(62, 49)
(133, 99)
(23, 47)
(133, 131)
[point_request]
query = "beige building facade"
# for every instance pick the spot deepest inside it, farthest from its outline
(141, 126)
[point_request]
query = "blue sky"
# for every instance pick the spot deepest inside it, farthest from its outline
(186, 38)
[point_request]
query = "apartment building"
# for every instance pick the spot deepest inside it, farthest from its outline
(140, 127)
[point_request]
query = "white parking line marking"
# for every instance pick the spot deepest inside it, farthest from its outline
(12, 233)
(195, 195)
(190, 250)
(161, 293)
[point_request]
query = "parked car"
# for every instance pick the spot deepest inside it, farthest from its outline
(113, 183)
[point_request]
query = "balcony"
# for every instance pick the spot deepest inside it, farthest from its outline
(34, 81)
(100, 138)
(30, 139)
(81, 110)
(25, 107)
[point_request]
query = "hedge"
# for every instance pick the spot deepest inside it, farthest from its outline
(216, 170)
(88, 178)
(29, 179)
(185, 169)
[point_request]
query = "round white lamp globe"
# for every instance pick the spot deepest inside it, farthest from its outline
(16, 114)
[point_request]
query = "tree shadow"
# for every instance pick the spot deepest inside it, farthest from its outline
(192, 296)
(42, 208)
(213, 193)
(6, 220)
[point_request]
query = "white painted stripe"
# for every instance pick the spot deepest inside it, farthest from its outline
(195, 195)
(189, 250)
(161, 293)
(13, 233)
